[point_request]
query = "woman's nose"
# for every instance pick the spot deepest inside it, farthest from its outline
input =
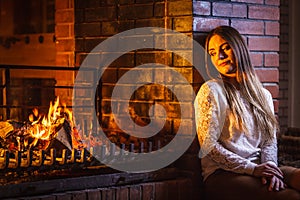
(222, 55)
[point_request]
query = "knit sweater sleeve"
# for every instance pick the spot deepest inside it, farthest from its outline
(210, 106)
(269, 147)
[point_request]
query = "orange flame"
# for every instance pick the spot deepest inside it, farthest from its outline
(46, 129)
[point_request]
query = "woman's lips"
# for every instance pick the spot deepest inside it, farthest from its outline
(224, 63)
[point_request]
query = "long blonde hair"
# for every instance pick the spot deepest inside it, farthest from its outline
(250, 86)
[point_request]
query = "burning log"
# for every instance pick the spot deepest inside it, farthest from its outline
(43, 140)
(41, 131)
(5, 129)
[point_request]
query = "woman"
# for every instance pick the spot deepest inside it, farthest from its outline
(237, 128)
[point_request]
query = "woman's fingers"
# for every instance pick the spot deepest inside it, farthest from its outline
(282, 185)
(273, 166)
(271, 173)
(267, 170)
(276, 184)
(264, 180)
(274, 171)
(272, 184)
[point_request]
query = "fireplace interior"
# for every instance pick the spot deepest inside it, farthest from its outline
(36, 165)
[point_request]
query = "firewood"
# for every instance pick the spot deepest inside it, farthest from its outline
(5, 129)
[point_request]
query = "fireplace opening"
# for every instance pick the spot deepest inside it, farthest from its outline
(27, 93)
(43, 149)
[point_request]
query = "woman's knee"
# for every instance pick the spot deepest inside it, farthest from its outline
(291, 176)
(290, 194)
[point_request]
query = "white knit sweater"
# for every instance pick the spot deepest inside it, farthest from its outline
(223, 144)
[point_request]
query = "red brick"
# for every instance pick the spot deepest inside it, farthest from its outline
(109, 76)
(63, 196)
(264, 12)
(179, 8)
(122, 1)
(78, 195)
(122, 193)
(272, 28)
(229, 10)
(89, 44)
(64, 16)
(267, 75)
(65, 45)
(147, 191)
(114, 27)
(161, 190)
(273, 89)
(108, 194)
(201, 8)
(62, 30)
(271, 59)
(207, 24)
(155, 22)
(64, 59)
(249, 1)
(162, 57)
(93, 194)
(125, 60)
(248, 26)
(264, 43)
(47, 197)
(256, 59)
(143, 1)
(159, 9)
(91, 4)
(136, 11)
(107, 91)
(62, 4)
(100, 14)
(79, 58)
(272, 2)
(88, 29)
(183, 24)
(135, 192)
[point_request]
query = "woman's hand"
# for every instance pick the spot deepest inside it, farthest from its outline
(275, 183)
(269, 172)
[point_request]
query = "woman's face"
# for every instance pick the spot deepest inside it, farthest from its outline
(222, 56)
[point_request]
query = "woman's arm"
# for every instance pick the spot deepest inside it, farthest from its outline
(209, 123)
(269, 146)
(269, 170)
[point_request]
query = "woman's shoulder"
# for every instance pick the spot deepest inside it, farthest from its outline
(212, 85)
(213, 88)
(267, 94)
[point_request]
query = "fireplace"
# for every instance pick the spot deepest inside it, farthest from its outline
(65, 165)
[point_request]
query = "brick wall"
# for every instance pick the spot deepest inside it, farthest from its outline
(64, 32)
(96, 21)
(171, 189)
(64, 47)
(257, 21)
(284, 63)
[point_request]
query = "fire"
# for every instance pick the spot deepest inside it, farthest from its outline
(46, 127)
(41, 130)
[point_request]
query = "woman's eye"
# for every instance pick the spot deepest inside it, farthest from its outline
(212, 53)
(227, 47)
